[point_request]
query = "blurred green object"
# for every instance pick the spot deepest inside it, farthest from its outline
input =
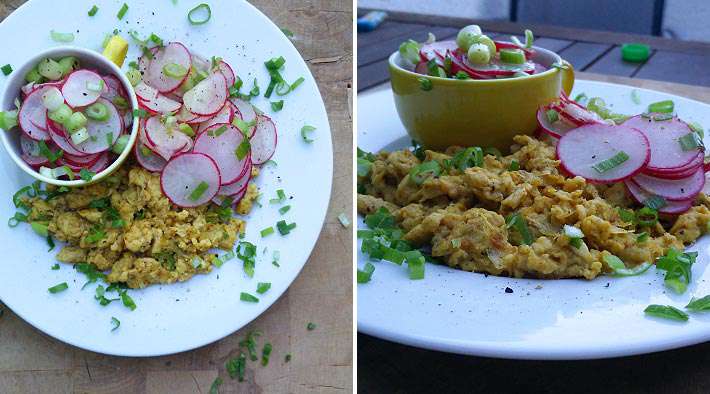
(635, 53)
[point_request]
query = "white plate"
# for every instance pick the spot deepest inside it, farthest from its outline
(468, 313)
(206, 308)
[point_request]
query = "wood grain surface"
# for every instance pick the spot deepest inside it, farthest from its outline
(31, 362)
(387, 367)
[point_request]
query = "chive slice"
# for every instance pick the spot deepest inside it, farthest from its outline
(307, 129)
(285, 228)
(344, 221)
(40, 228)
(415, 264)
(55, 267)
(141, 113)
(58, 288)
(277, 105)
(514, 165)
(664, 107)
(552, 115)
(86, 175)
(93, 10)
(690, 141)
(655, 202)
(263, 287)
(425, 84)
(6, 69)
(424, 171)
(116, 323)
(643, 237)
(122, 11)
(217, 132)
(635, 97)
(174, 70)
(284, 209)
(611, 163)
(267, 231)
(214, 388)
(265, 354)
(517, 222)
(200, 15)
(199, 191)
(311, 326)
(243, 149)
(364, 275)
(678, 267)
(699, 304)
(666, 312)
(288, 33)
(246, 297)
(619, 268)
(61, 37)
(128, 301)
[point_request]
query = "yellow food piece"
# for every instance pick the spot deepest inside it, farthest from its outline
(157, 243)
(116, 50)
(461, 214)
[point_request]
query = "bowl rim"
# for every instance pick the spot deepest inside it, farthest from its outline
(557, 58)
(80, 53)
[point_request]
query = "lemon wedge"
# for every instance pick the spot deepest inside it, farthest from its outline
(116, 50)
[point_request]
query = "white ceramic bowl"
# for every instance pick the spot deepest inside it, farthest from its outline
(87, 59)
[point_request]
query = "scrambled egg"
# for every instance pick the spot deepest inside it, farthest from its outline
(126, 226)
(461, 214)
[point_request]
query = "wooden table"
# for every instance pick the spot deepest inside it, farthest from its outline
(31, 362)
(389, 367)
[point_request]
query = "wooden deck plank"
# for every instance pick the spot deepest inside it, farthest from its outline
(371, 75)
(691, 69)
(382, 50)
(386, 31)
(612, 64)
(582, 54)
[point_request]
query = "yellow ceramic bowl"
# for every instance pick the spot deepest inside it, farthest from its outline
(87, 59)
(485, 113)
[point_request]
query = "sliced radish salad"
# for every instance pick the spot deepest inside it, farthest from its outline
(202, 141)
(74, 121)
(473, 55)
(659, 157)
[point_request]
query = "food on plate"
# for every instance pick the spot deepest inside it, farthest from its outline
(73, 121)
(126, 227)
(472, 55)
(594, 193)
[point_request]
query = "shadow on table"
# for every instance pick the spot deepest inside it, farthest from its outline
(387, 367)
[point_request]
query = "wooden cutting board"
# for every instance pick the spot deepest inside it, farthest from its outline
(31, 362)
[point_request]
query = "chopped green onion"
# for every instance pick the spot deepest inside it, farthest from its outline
(284, 209)
(311, 326)
(236, 367)
(61, 37)
(552, 115)
(120, 145)
(690, 141)
(157, 40)
(697, 128)
(581, 98)
(50, 69)
(265, 354)
(267, 231)
(645, 217)
(217, 132)
(120, 102)
(664, 107)
(86, 174)
(517, 221)
(655, 202)
(611, 163)
(514, 165)
(186, 129)
(40, 228)
(58, 288)
(513, 56)
(425, 84)
(134, 77)
(619, 268)
(200, 15)
(174, 70)
(699, 304)
(122, 11)
(409, 51)
(528, 38)
(141, 113)
(93, 10)
(199, 191)
(48, 153)
(50, 243)
(420, 173)
(55, 267)
(635, 97)
(288, 33)
(277, 105)
(97, 111)
(8, 119)
(115, 322)
(307, 129)
(246, 297)
(666, 312)
(214, 388)
(678, 269)
(6, 69)
(284, 228)
(344, 221)
(643, 237)
(243, 149)
(364, 275)
(263, 287)
(415, 264)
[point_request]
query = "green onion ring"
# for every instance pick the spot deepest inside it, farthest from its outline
(174, 70)
(61, 37)
(199, 7)
(97, 111)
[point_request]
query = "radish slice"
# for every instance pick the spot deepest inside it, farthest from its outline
(185, 116)
(556, 129)
(34, 161)
(28, 146)
(165, 142)
(184, 173)
(429, 51)
(222, 149)
(101, 131)
(81, 161)
(575, 113)
(161, 104)
(671, 207)
(76, 90)
(582, 148)
(497, 68)
(666, 151)
(457, 65)
(246, 112)
(60, 138)
(145, 92)
(101, 164)
(33, 113)
(676, 189)
(235, 187)
(114, 88)
(264, 140)
(144, 61)
(172, 53)
(676, 173)
(208, 96)
(225, 115)
(200, 63)
(228, 73)
(152, 162)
